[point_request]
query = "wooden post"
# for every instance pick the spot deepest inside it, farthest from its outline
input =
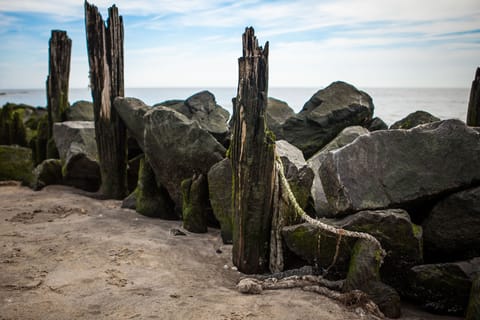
(60, 48)
(473, 115)
(105, 53)
(252, 155)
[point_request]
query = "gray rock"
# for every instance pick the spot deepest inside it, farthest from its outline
(322, 208)
(414, 119)
(75, 141)
(80, 111)
(445, 287)
(401, 239)
(452, 229)
(132, 111)
(220, 193)
(377, 124)
(203, 108)
(16, 164)
(130, 202)
(325, 115)
(400, 168)
(177, 148)
(47, 173)
(277, 113)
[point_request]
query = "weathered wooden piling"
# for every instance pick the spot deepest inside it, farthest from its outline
(473, 114)
(105, 53)
(60, 48)
(252, 156)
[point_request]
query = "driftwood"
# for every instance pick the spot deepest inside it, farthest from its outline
(105, 53)
(60, 48)
(473, 115)
(252, 156)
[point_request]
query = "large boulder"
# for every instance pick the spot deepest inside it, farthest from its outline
(401, 239)
(322, 208)
(132, 111)
(178, 148)
(220, 194)
(80, 111)
(277, 113)
(75, 141)
(325, 115)
(203, 108)
(445, 287)
(452, 229)
(414, 119)
(16, 164)
(195, 204)
(46, 173)
(401, 168)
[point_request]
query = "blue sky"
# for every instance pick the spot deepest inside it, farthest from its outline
(185, 43)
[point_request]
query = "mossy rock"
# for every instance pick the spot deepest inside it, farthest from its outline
(414, 119)
(195, 204)
(47, 173)
(82, 172)
(16, 164)
(80, 111)
(152, 200)
(473, 310)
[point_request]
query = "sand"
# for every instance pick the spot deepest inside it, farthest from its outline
(64, 255)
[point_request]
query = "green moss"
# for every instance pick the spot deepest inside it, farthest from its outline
(16, 164)
(195, 198)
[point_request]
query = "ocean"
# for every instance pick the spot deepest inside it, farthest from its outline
(391, 104)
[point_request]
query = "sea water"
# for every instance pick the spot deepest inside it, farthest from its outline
(391, 104)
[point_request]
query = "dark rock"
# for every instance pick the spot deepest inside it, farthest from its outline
(203, 108)
(445, 287)
(178, 148)
(401, 168)
(195, 204)
(132, 111)
(220, 193)
(133, 169)
(277, 113)
(401, 239)
(130, 202)
(473, 310)
(473, 114)
(16, 164)
(322, 208)
(325, 115)
(82, 172)
(152, 199)
(47, 173)
(80, 111)
(377, 124)
(452, 229)
(363, 274)
(414, 119)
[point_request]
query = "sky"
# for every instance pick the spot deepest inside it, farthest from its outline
(196, 43)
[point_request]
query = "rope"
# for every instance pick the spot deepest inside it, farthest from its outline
(323, 226)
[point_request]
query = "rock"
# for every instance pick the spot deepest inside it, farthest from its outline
(277, 113)
(473, 310)
(451, 230)
(132, 111)
(152, 200)
(203, 108)
(401, 168)
(377, 124)
(401, 239)
(220, 193)
(322, 208)
(195, 204)
(16, 164)
(298, 173)
(47, 173)
(80, 111)
(132, 172)
(130, 202)
(177, 148)
(325, 115)
(444, 287)
(75, 141)
(473, 114)
(414, 119)
(363, 274)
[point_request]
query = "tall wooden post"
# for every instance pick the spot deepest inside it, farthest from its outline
(473, 115)
(105, 53)
(252, 155)
(60, 48)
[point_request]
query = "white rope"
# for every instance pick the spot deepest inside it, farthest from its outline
(317, 223)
